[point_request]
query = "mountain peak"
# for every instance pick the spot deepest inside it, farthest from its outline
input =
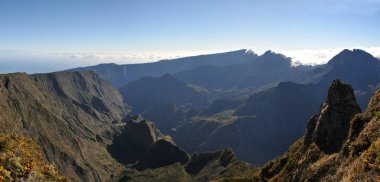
(273, 55)
(269, 52)
(353, 52)
(329, 128)
(352, 56)
(274, 60)
(249, 51)
(340, 94)
(138, 134)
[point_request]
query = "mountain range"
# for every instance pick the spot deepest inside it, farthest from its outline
(224, 117)
(245, 103)
(119, 75)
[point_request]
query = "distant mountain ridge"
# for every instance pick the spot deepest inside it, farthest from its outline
(270, 67)
(236, 68)
(119, 75)
(259, 116)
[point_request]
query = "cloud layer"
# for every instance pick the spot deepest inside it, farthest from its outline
(321, 56)
(34, 62)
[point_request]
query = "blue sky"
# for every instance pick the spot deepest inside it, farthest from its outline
(72, 32)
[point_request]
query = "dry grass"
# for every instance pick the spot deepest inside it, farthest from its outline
(22, 160)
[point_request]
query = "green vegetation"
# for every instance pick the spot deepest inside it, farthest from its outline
(225, 117)
(21, 159)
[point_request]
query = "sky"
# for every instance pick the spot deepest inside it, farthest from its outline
(50, 35)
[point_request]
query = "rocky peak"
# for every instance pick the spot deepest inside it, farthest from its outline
(340, 95)
(329, 128)
(352, 57)
(136, 138)
(272, 54)
(249, 52)
(274, 60)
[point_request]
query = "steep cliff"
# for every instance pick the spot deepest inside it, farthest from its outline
(72, 116)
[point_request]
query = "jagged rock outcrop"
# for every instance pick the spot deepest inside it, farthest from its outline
(143, 145)
(338, 146)
(137, 137)
(329, 129)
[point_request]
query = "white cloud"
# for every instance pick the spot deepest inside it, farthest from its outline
(321, 56)
(311, 56)
(32, 62)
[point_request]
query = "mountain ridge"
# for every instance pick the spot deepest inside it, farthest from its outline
(51, 109)
(119, 75)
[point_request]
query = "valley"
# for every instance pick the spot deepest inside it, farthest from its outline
(189, 91)
(169, 127)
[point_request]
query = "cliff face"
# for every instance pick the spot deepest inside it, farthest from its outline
(72, 116)
(341, 144)
(329, 128)
(137, 136)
